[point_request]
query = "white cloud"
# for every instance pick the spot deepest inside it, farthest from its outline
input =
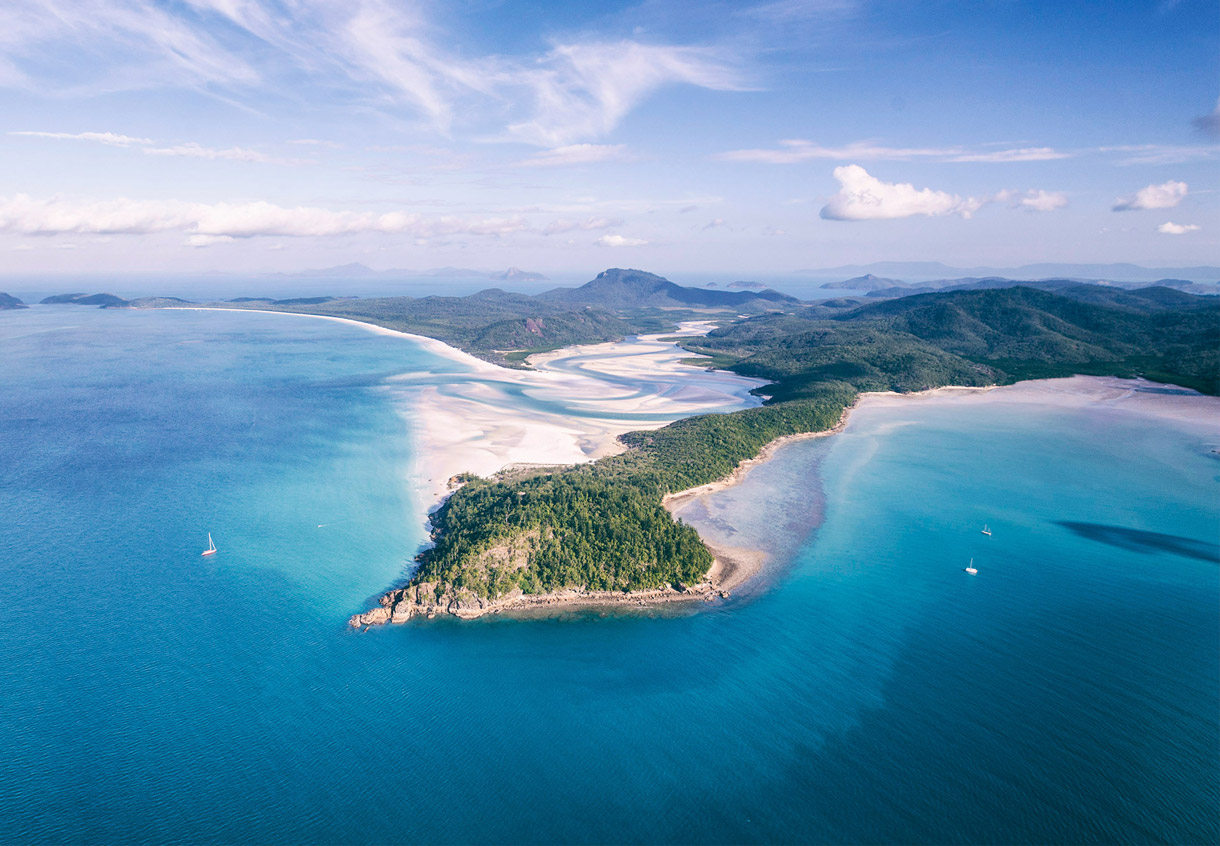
(237, 154)
(589, 224)
(1039, 201)
(24, 215)
(864, 197)
(712, 224)
(584, 90)
(383, 53)
(129, 45)
(576, 154)
(188, 149)
(1024, 154)
(207, 240)
(1161, 154)
(315, 142)
(1163, 196)
(620, 241)
(110, 138)
(1171, 228)
(795, 150)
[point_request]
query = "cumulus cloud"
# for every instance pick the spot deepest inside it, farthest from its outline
(207, 223)
(795, 150)
(1163, 196)
(589, 224)
(864, 197)
(111, 138)
(1171, 228)
(576, 154)
(620, 241)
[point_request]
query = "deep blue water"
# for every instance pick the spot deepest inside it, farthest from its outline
(1068, 693)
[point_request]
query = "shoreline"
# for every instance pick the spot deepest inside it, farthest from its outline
(469, 423)
(432, 345)
(734, 566)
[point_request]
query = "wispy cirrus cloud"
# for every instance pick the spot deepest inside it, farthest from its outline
(1023, 154)
(386, 55)
(589, 224)
(796, 150)
(577, 154)
(111, 138)
(583, 90)
(191, 150)
(208, 223)
(862, 196)
(1163, 196)
(1162, 154)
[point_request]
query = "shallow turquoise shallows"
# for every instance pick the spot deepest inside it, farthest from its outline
(873, 692)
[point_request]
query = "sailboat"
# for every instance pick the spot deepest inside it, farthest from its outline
(211, 550)
(986, 530)
(971, 569)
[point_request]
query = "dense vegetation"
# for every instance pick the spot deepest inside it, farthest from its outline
(980, 337)
(602, 526)
(490, 324)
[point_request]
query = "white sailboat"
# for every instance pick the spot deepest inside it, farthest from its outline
(986, 530)
(970, 569)
(211, 550)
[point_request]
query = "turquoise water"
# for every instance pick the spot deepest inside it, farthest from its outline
(874, 692)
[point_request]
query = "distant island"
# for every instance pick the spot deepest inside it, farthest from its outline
(7, 301)
(600, 532)
(356, 270)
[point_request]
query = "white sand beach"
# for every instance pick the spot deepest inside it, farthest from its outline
(570, 408)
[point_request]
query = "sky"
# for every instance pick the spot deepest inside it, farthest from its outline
(254, 136)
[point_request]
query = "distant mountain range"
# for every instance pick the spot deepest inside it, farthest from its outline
(923, 271)
(356, 270)
(623, 288)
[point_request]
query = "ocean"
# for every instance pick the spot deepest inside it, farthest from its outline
(869, 691)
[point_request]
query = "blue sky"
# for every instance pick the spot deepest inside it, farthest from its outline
(253, 135)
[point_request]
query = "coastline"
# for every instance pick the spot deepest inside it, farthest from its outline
(431, 344)
(569, 409)
(508, 436)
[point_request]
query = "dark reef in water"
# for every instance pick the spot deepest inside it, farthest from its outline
(1137, 540)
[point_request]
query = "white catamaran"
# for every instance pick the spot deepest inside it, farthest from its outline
(211, 550)
(986, 530)
(970, 569)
